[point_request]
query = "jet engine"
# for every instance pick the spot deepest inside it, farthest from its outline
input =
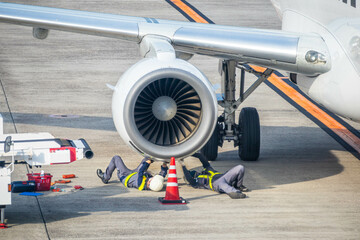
(164, 109)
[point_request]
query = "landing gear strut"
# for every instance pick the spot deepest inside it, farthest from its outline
(245, 133)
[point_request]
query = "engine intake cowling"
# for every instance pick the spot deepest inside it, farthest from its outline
(164, 109)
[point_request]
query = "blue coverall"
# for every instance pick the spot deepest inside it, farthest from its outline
(231, 181)
(136, 180)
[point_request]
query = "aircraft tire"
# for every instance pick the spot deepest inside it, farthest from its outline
(210, 150)
(249, 128)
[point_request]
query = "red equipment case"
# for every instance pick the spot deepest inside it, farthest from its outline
(43, 183)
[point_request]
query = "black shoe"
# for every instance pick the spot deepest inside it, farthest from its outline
(189, 177)
(194, 174)
(100, 174)
(236, 195)
(244, 189)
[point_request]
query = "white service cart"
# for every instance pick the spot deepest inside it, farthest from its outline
(35, 149)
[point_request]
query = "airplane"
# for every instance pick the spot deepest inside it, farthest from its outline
(164, 107)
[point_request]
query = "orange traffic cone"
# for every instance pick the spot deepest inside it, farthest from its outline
(172, 189)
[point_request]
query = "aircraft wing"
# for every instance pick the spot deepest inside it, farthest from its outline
(302, 53)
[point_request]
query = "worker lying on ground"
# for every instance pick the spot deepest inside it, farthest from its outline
(138, 178)
(205, 163)
(229, 182)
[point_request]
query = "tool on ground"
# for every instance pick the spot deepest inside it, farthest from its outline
(78, 187)
(68, 176)
(63, 181)
(172, 188)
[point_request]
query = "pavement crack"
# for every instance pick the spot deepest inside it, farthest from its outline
(8, 105)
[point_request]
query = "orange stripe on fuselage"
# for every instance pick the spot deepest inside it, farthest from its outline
(322, 116)
(196, 17)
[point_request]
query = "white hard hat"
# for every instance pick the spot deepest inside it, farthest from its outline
(157, 183)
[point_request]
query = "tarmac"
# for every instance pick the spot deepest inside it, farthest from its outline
(304, 186)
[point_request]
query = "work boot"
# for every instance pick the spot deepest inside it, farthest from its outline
(189, 177)
(244, 189)
(194, 174)
(236, 195)
(100, 174)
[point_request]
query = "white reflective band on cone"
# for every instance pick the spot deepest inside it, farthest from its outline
(172, 167)
(171, 175)
(171, 184)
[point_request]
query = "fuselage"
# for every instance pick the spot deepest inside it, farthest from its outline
(338, 23)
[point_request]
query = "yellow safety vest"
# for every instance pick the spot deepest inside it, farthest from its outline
(210, 177)
(142, 185)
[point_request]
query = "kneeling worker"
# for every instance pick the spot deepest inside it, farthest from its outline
(230, 182)
(138, 178)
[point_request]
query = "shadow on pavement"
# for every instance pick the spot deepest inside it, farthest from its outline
(288, 155)
(73, 121)
(90, 201)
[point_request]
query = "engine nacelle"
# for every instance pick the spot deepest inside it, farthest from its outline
(164, 109)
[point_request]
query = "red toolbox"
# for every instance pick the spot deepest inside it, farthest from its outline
(43, 182)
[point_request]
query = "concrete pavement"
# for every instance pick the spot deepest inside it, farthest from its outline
(305, 185)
